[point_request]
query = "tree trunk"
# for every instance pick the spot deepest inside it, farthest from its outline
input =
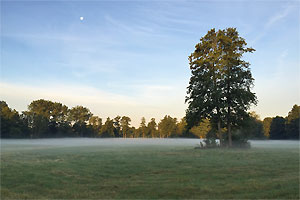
(219, 132)
(229, 128)
(229, 135)
(228, 110)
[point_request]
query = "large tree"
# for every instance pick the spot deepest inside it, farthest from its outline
(221, 82)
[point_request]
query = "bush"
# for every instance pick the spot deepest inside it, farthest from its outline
(209, 142)
(238, 141)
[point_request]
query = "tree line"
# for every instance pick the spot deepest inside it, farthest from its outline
(47, 119)
(283, 127)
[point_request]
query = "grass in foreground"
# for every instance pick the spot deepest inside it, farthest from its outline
(149, 172)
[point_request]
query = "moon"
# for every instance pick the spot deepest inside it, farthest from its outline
(81, 18)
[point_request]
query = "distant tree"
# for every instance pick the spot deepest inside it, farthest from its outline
(117, 125)
(41, 107)
(266, 126)
(38, 124)
(38, 116)
(107, 130)
(293, 122)
(219, 88)
(96, 124)
(12, 126)
(167, 127)
(252, 127)
(277, 128)
(58, 121)
(132, 131)
(59, 112)
(79, 115)
(136, 133)
(125, 123)
(152, 128)
(143, 127)
(47, 118)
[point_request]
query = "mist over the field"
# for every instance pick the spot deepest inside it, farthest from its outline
(19, 144)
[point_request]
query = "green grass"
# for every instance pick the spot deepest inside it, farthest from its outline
(139, 172)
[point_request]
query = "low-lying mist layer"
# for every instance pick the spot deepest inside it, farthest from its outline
(18, 144)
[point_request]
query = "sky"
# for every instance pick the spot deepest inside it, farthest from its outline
(131, 57)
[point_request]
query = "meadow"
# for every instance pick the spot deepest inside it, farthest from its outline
(147, 169)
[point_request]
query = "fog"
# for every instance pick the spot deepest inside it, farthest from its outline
(275, 143)
(19, 144)
(71, 142)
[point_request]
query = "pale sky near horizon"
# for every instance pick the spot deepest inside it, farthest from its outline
(131, 57)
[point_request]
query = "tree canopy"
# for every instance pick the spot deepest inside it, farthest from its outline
(221, 82)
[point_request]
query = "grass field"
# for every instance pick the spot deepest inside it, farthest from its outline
(155, 169)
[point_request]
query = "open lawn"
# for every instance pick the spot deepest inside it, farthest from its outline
(141, 168)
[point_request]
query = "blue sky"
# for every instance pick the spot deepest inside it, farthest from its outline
(131, 57)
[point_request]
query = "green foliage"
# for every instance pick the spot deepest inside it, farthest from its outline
(167, 127)
(125, 123)
(202, 128)
(96, 124)
(283, 128)
(107, 130)
(182, 127)
(117, 126)
(143, 127)
(266, 126)
(80, 114)
(42, 108)
(252, 128)
(12, 125)
(293, 122)
(219, 88)
(277, 128)
(152, 128)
